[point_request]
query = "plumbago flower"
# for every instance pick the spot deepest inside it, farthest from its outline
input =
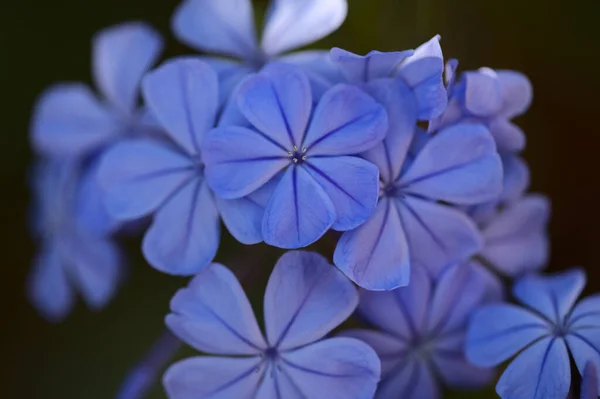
(166, 177)
(421, 331)
(458, 165)
(71, 120)
(73, 258)
(226, 28)
(305, 154)
(540, 334)
(421, 70)
(304, 300)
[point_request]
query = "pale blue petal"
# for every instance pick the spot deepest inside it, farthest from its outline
(586, 313)
(122, 54)
(516, 239)
(213, 377)
(584, 344)
(509, 137)
(48, 286)
(516, 177)
(497, 332)
(351, 183)
(278, 102)
(553, 296)
(230, 73)
(292, 24)
(240, 160)
(342, 367)
(317, 64)
(375, 255)
(540, 372)
(375, 65)
(138, 176)
(70, 120)
(391, 154)
(214, 316)
(390, 349)
(458, 165)
(495, 289)
(299, 211)
(438, 235)
(423, 73)
(412, 379)
(219, 26)
(346, 121)
(590, 386)
(276, 384)
(482, 92)
(183, 94)
(305, 299)
(517, 93)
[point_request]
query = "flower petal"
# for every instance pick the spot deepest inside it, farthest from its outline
(411, 380)
(400, 104)
(584, 345)
(299, 211)
(292, 24)
(482, 92)
(186, 231)
(458, 165)
(346, 121)
(497, 332)
(516, 240)
(70, 120)
(509, 137)
(277, 385)
(590, 386)
(438, 235)
(553, 296)
(278, 102)
(48, 285)
(220, 26)
(122, 54)
(213, 315)
(318, 65)
(183, 94)
(540, 372)
(230, 73)
(305, 299)
(240, 160)
(375, 255)
(213, 377)
(375, 65)
(516, 178)
(586, 313)
(139, 175)
(351, 183)
(423, 73)
(517, 93)
(342, 367)
(390, 349)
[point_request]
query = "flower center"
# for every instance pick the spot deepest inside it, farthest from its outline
(271, 354)
(391, 190)
(297, 156)
(560, 330)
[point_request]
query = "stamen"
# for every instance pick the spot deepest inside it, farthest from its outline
(304, 158)
(295, 148)
(290, 154)
(295, 160)
(304, 150)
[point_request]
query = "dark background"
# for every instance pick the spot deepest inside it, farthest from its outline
(43, 41)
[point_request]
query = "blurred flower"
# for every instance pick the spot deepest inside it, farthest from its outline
(226, 28)
(589, 383)
(71, 120)
(305, 299)
(539, 334)
(421, 332)
(458, 165)
(72, 257)
(308, 151)
(420, 69)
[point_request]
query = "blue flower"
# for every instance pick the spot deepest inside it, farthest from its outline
(71, 120)
(458, 165)
(73, 259)
(540, 333)
(304, 300)
(420, 69)
(303, 154)
(421, 331)
(226, 28)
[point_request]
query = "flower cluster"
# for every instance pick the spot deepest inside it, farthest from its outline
(412, 171)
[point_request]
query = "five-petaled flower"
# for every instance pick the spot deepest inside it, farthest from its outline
(308, 152)
(304, 300)
(540, 334)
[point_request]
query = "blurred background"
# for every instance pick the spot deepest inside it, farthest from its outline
(555, 43)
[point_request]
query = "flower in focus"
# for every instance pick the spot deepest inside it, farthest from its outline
(421, 332)
(226, 28)
(458, 165)
(540, 334)
(305, 155)
(72, 257)
(304, 300)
